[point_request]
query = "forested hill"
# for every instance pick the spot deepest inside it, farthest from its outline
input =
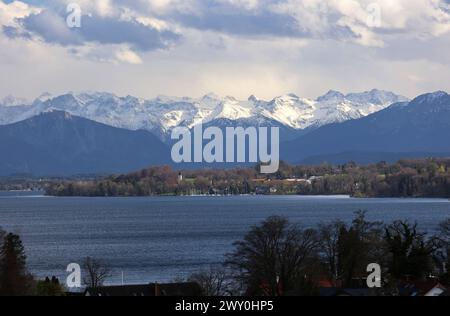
(59, 144)
(406, 178)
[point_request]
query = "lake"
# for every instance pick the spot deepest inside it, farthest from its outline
(163, 238)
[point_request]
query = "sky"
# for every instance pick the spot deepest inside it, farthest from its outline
(237, 48)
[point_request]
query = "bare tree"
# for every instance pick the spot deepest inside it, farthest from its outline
(443, 253)
(214, 282)
(271, 260)
(96, 272)
(329, 248)
(444, 231)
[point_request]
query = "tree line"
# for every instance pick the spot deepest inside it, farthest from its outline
(406, 178)
(278, 258)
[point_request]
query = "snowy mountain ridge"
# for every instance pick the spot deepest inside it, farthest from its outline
(163, 113)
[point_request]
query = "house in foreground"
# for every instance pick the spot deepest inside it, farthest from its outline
(151, 289)
(429, 287)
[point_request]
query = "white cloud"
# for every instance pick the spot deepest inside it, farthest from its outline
(14, 10)
(128, 56)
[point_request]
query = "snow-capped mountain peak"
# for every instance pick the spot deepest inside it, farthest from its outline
(289, 110)
(430, 97)
(44, 97)
(232, 109)
(331, 95)
(375, 96)
(252, 98)
(12, 101)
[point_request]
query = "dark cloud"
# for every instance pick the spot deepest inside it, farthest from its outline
(13, 32)
(224, 17)
(113, 31)
(243, 24)
(52, 28)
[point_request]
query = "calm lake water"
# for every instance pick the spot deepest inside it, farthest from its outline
(163, 238)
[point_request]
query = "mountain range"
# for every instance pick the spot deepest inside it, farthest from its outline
(162, 114)
(405, 129)
(88, 133)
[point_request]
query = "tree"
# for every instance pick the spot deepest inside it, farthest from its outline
(370, 239)
(444, 250)
(409, 251)
(444, 231)
(346, 251)
(271, 259)
(96, 272)
(329, 240)
(14, 278)
(213, 282)
(49, 287)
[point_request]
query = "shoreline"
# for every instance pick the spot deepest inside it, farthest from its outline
(331, 196)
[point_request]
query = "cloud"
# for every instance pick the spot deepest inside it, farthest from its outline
(343, 20)
(147, 25)
(231, 47)
(13, 32)
(243, 23)
(108, 33)
(128, 56)
(52, 28)
(16, 9)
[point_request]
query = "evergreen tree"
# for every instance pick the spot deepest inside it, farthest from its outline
(49, 287)
(14, 278)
